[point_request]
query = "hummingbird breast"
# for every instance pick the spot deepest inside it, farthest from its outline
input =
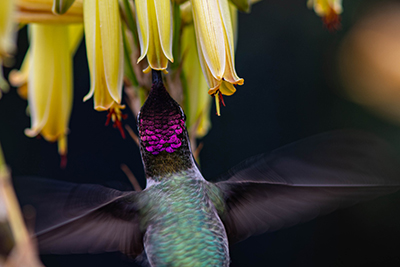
(183, 227)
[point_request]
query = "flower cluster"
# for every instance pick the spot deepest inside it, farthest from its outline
(193, 41)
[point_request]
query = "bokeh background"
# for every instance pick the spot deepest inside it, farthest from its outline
(291, 66)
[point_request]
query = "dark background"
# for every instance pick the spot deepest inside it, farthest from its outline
(291, 91)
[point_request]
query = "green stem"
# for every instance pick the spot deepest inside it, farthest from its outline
(176, 48)
(129, 72)
(130, 21)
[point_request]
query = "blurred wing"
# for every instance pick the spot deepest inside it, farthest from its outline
(81, 218)
(300, 181)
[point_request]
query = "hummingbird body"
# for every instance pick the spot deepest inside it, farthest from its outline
(183, 226)
(180, 219)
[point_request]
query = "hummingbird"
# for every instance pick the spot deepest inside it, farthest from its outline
(181, 219)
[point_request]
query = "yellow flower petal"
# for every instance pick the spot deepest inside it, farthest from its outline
(197, 106)
(7, 36)
(227, 88)
(164, 23)
(155, 32)
(104, 51)
(50, 81)
(212, 82)
(230, 72)
(215, 41)
(210, 34)
(143, 27)
(155, 55)
(19, 78)
(112, 47)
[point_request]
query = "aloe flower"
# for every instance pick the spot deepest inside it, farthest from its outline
(19, 78)
(155, 32)
(6, 27)
(215, 44)
(7, 39)
(50, 84)
(329, 10)
(197, 104)
(104, 48)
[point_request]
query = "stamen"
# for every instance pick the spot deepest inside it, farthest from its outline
(221, 99)
(62, 150)
(63, 161)
(216, 95)
(332, 20)
(115, 115)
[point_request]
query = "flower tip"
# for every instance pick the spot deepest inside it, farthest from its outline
(140, 59)
(61, 6)
(17, 78)
(147, 70)
(31, 132)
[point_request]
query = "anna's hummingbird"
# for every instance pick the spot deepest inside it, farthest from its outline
(181, 219)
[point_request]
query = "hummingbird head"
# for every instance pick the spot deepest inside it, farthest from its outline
(164, 141)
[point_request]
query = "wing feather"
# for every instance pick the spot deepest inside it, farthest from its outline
(81, 218)
(303, 180)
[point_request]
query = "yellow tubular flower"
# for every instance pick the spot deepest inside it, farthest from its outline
(155, 32)
(7, 45)
(6, 27)
(197, 106)
(105, 54)
(329, 10)
(215, 44)
(19, 78)
(50, 84)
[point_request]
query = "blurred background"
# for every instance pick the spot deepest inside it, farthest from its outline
(300, 80)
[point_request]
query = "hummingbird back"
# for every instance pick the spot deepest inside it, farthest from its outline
(183, 227)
